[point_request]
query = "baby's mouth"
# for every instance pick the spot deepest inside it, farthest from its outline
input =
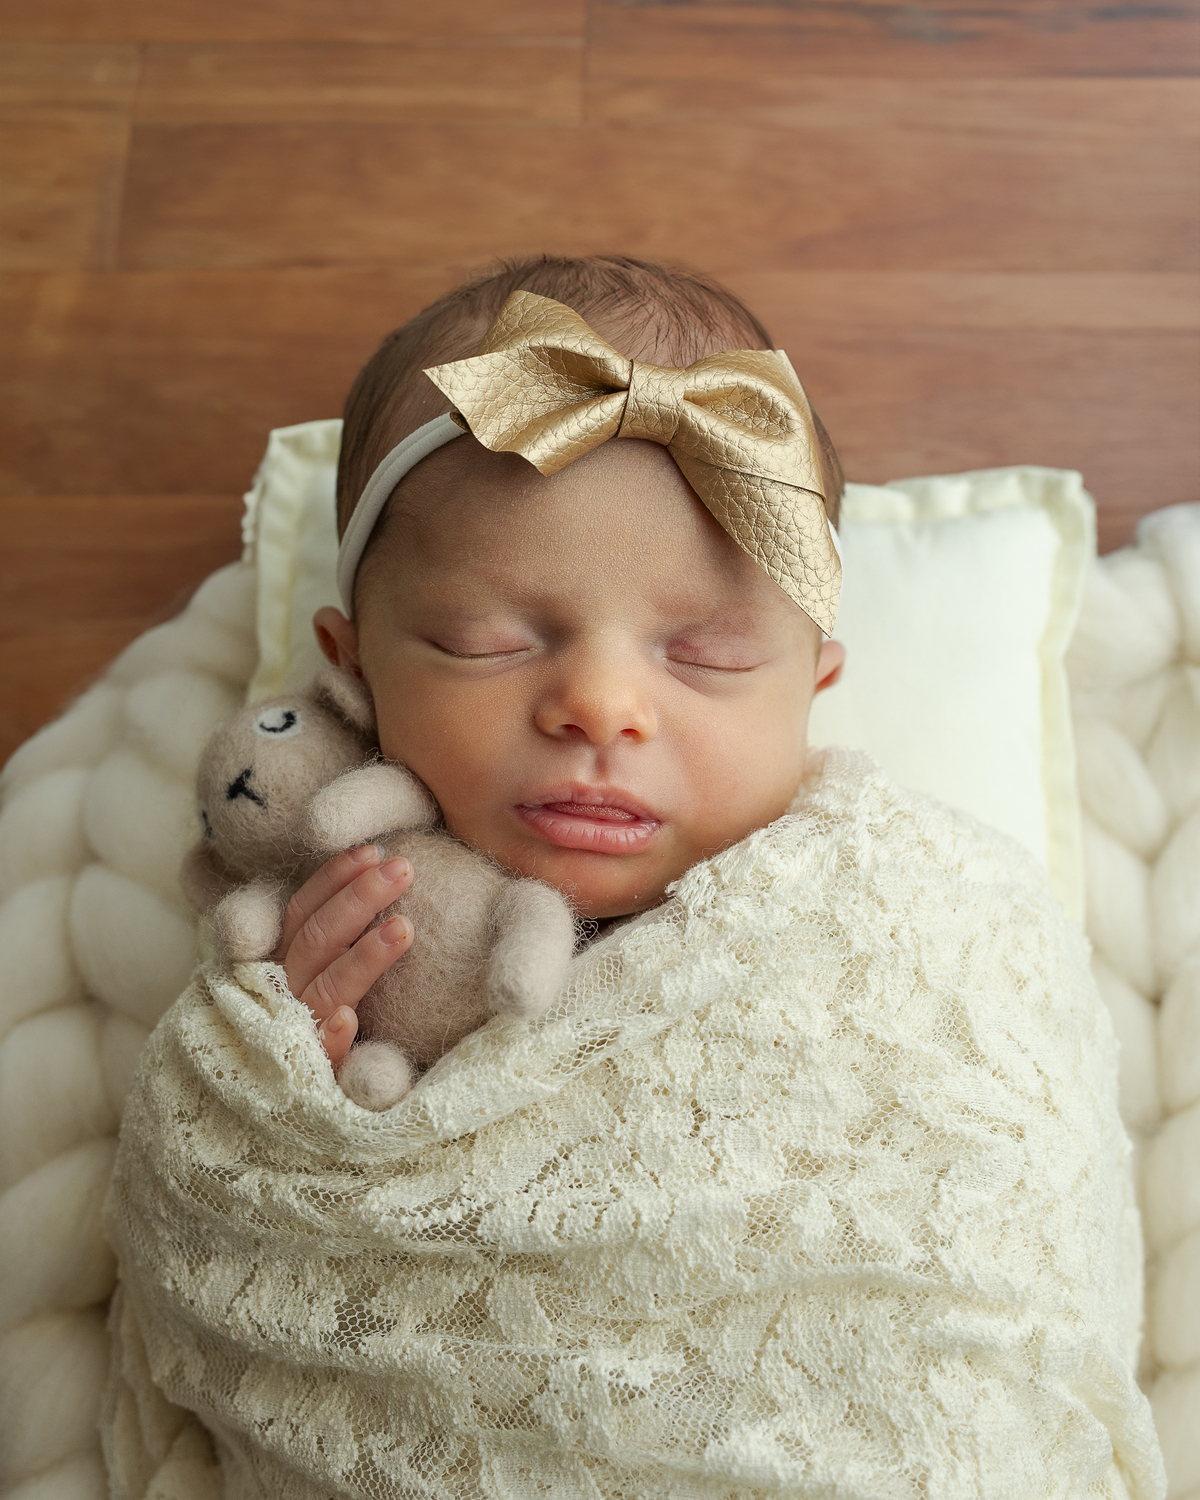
(608, 823)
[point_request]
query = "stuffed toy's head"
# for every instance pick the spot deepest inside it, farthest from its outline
(262, 768)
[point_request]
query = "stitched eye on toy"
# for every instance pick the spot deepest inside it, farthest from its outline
(278, 723)
(206, 822)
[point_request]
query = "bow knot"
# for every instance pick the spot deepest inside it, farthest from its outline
(653, 403)
(737, 424)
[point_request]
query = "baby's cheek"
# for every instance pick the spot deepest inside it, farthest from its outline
(473, 810)
(743, 779)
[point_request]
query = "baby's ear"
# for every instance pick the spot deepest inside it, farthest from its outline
(347, 697)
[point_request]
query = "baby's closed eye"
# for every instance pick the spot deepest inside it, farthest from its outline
(480, 645)
(716, 653)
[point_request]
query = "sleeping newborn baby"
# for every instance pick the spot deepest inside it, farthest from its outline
(810, 1182)
(599, 685)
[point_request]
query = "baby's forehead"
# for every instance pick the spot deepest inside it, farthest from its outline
(620, 528)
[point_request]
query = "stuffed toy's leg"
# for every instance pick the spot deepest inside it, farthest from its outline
(376, 1074)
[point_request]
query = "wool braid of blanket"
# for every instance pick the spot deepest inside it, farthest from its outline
(99, 808)
(97, 943)
(812, 1182)
(1134, 668)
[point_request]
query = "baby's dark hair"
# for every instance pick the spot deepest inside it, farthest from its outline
(661, 314)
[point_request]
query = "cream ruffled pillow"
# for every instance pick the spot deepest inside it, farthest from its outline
(959, 597)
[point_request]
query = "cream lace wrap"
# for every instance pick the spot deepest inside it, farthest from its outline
(812, 1185)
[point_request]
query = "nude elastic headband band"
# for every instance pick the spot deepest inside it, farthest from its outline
(403, 457)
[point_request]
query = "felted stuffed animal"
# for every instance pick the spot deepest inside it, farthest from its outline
(288, 782)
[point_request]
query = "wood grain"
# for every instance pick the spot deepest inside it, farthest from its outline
(285, 20)
(692, 39)
(725, 196)
(64, 621)
(162, 382)
(916, 373)
(1113, 110)
(789, 300)
(64, 136)
(972, 226)
(941, 401)
(60, 193)
(67, 80)
(271, 83)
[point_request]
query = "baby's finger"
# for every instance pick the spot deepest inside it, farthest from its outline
(345, 981)
(333, 876)
(338, 1033)
(332, 929)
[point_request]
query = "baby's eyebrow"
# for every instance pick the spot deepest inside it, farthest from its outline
(720, 623)
(675, 615)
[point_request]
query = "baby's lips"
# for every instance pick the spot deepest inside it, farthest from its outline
(590, 834)
(598, 810)
(600, 802)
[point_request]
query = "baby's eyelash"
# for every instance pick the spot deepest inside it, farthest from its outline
(710, 666)
(477, 655)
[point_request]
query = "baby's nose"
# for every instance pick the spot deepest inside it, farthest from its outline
(599, 708)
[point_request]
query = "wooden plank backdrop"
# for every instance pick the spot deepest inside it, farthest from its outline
(972, 226)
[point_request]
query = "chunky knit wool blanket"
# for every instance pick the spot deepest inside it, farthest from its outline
(811, 1184)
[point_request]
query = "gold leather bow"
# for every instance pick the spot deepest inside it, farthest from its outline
(737, 424)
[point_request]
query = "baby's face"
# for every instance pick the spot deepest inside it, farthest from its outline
(596, 683)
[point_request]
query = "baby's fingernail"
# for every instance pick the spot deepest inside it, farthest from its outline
(336, 1022)
(395, 869)
(398, 930)
(366, 854)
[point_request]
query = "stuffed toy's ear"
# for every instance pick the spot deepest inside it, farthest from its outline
(347, 696)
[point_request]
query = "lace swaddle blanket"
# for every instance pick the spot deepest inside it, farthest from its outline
(812, 1184)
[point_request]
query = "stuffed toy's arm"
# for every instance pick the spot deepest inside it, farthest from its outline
(244, 919)
(535, 937)
(246, 926)
(364, 803)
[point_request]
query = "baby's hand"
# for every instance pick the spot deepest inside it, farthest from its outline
(330, 960)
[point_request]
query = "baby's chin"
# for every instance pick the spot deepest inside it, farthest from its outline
(598, 886)
(594, 892)
(601, 908)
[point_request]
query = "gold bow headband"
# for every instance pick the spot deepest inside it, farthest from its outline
(737, 424)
